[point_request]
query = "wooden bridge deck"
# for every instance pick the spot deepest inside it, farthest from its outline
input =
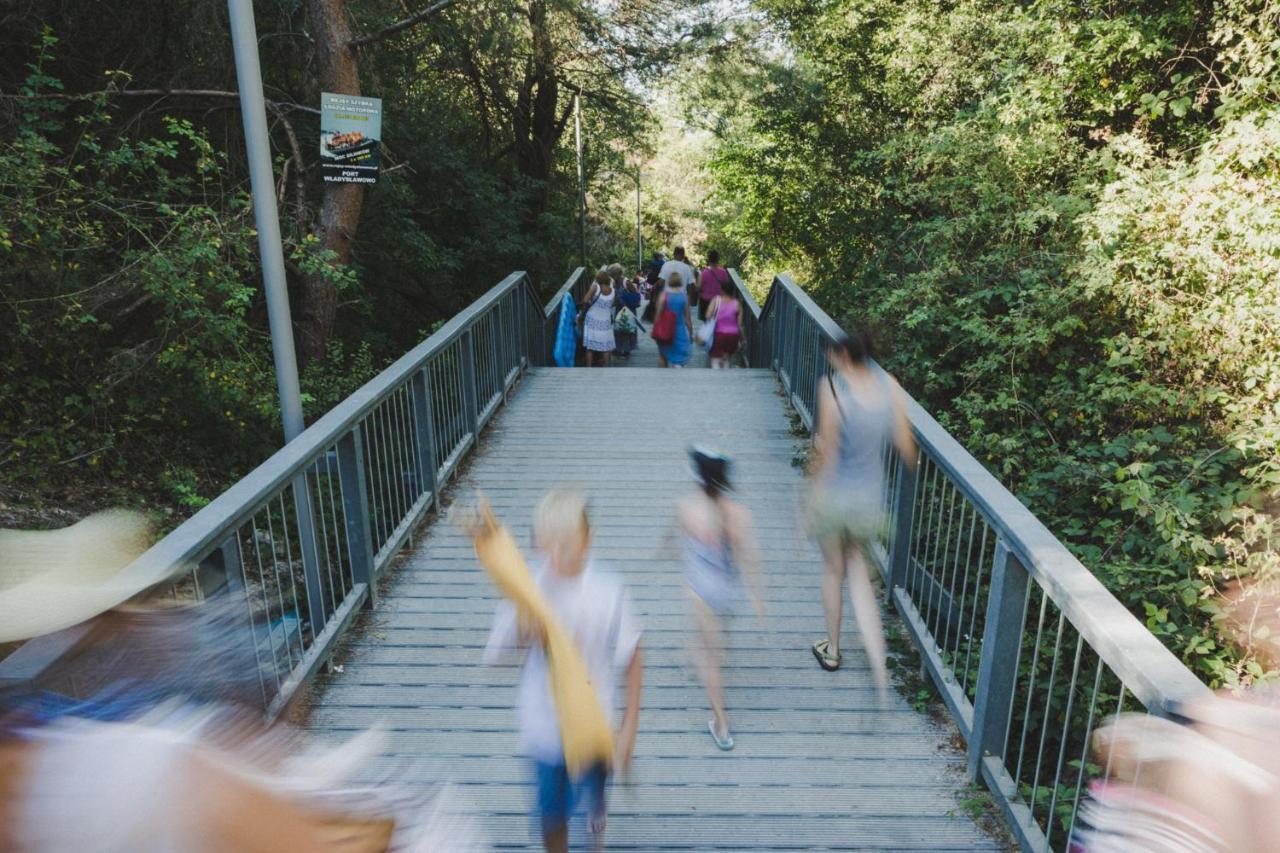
(817, 766)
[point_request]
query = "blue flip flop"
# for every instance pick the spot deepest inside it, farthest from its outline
(725, 743)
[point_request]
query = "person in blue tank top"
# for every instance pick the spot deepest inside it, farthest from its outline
(861, 412)
(675, 353)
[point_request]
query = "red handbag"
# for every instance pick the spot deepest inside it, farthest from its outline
(664, 328)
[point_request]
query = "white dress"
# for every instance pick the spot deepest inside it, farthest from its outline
(597, 328)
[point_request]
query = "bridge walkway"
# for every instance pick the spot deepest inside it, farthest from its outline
(818, 765)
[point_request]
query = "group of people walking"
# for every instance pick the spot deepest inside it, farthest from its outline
(675, 295)
(861, 411)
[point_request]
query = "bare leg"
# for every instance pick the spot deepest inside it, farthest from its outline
(557, 840)
(662, 359)
(708, 659)
(833, 593)
(865, 610)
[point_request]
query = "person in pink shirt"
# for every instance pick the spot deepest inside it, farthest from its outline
(727, 309)
(711, 282)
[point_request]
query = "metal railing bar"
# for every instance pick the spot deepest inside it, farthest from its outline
(322, 531)
(973, 619)
(335, 627)
(1084, 752)
(396, 462)
(929, 533)
(1062, 746)
(390, 466)
(293, 580)
(335, 501)
(199, 534)
(1031, 685)
(964, 599)
(266, 603)
(372, 482)
(940, 579)
(253, 634)
(955, 700)
(1048, 709)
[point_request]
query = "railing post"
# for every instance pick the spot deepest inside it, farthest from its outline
(998, 668)
(793, 343)
(310, 554)
(522, 322)
(424, 428)
(903, 508)
(221, 569)
(355, 511)
(470, 393)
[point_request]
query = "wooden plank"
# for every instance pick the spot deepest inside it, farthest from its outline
(819, 763)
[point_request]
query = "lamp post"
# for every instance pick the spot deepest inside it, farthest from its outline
(253, 111)
(582, 189)
(639, 241)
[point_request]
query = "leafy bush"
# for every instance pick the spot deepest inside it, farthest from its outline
(1065, 223)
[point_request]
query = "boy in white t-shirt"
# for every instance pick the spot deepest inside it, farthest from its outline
(593, 608)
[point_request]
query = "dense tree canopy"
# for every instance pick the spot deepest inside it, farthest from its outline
(134, 348)
(1063, 218)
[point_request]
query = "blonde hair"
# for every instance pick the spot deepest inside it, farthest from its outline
(561, 513)
(675, 279)
(603, 277)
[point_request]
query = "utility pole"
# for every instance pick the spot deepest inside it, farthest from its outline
(253, 110)
(639, 242)
(582, 190)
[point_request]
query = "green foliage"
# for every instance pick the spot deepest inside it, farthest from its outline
(1065, 223)
(129, 334)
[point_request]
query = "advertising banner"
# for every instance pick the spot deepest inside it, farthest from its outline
(350, 134)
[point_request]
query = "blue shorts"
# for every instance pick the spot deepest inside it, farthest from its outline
(559, 796)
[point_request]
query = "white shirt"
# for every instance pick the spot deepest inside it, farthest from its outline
(687, 275)
(594, 609)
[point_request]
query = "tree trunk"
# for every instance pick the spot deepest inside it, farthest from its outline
(536, 128)
(340, 210)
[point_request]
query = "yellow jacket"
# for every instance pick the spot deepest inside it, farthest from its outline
(584, 729)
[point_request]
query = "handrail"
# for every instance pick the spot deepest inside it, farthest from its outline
(575, 285)
(175, 553)
(757, 348)
(989, 596)
(299, 543)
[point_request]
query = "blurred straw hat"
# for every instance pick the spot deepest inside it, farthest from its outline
(53, 579)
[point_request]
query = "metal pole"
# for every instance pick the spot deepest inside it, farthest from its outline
(244, 39)
(582, 191)
(639, 246)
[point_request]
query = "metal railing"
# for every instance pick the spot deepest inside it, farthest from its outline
(1028, 650)
(302, 540)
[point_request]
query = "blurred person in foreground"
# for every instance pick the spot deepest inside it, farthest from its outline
(1207, 779)
(162, 749)
(720, 552)
(861, 412)
(571, 597)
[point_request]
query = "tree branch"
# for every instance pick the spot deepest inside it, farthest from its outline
(158, 93)
(403, 24)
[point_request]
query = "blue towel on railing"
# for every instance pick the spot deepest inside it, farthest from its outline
(566, 348)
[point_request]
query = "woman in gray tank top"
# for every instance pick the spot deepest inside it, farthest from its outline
(861, 411)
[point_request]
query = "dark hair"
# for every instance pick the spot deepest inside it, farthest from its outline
(856, 346)
(729, 289)
(711, 471)
(678, 252)
(713, 257)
